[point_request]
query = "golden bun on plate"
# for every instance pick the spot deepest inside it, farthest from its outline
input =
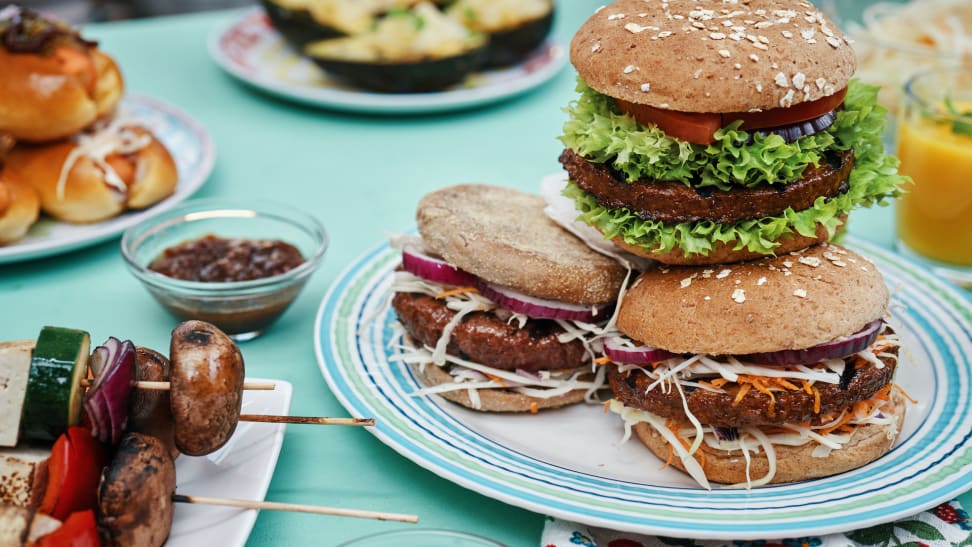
(19, 206)
(53, 83)
(99, 174)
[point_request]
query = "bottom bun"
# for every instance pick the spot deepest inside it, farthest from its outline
(19, 207)
(494, 400)
(723, 253)
(793, 463)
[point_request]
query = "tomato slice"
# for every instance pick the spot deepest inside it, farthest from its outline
(700, 128)
(79, 530)
(73, 472)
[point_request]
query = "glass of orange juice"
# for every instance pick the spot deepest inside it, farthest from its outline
(934, 219)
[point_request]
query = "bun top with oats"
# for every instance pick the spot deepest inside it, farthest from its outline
(708, 132)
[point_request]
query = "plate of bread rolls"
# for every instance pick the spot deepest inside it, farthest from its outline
(80, 160)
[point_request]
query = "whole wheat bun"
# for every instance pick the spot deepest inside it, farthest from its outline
(87, 197)
(503, 236)
(19, 206)
(793, 301)
(40, 102)
(712, 56)
(793, 463)
(723, 253)
(494, 400)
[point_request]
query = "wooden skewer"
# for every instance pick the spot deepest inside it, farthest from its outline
(299, 508)
(165, 386)
(305, 420)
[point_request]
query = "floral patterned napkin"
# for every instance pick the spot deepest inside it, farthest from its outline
(944, 526)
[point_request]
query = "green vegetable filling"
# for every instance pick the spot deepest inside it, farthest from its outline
(603, 135)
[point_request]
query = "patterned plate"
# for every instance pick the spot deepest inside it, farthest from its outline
(193, 152)
(571, 463)
(251, 50)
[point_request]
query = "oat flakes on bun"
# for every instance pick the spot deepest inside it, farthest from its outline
(774, 370)
(710, 132)
(500, 308)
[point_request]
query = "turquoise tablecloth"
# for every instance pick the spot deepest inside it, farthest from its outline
(362, 176)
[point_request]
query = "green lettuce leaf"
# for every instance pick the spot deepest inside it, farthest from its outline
(874, 180)
(597, 130)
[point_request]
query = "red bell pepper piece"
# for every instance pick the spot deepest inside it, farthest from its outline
(73, 473)
(79, 530)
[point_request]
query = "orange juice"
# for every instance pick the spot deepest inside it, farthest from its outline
(935, 217)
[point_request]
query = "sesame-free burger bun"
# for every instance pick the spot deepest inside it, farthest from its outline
(793, 301)
(711, 56)
(494, 400)
(19, 206)
(793, 463)
(503, 236)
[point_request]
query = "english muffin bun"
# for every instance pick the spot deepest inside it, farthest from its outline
(793, 463)
(762, 54)
(494, 400)
(793, 301)
(19, 206)
(503, 236)
(53, 83)
(98, 184)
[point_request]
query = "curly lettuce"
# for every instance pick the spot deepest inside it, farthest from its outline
(597, 130)
(874, 180)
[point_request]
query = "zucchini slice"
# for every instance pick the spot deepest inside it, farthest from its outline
(53, 399)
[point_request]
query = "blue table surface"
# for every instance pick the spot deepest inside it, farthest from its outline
(362, 176)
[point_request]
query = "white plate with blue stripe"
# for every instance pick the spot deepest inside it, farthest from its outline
(571, 464)
(191, 149)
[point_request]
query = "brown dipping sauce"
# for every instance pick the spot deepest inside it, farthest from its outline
(215, 259)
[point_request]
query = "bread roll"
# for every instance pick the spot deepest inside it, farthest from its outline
(19, 206)
(53, 83)
(118, 167)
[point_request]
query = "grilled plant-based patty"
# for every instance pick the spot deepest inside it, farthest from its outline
(484, 338)
(673, 202)
(719, 409)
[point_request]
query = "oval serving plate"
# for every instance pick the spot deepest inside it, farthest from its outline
(572, 465)
(252, 51)
(194, 155)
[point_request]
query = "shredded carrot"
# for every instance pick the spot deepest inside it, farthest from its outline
(603, 360)
(674, 428)
(808, 387)
(718, 382)
(845, 419)
(459, 290)
(495, 378)
(884, 394)
(816, 401)
(743, 390)
(534, 407)
(606, 405)
(671, 455)
(905, 394)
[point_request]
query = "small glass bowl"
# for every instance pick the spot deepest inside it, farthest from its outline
(242, 309)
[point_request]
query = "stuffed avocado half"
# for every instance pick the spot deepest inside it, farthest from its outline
(406, 50)
(304, 21)
(515, 27)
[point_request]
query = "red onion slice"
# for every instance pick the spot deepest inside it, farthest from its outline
(539, 308)
(618, 352)
(792, 132)
(835, 349)
(106, 401)
(433, 269)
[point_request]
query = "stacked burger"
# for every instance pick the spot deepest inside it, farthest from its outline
(727, 142)
(77, 158)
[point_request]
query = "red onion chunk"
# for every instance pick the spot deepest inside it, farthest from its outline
(539, 308)
(433, 269)
(792, 132)
(839, 348)
(107, 400)
(618, 352)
